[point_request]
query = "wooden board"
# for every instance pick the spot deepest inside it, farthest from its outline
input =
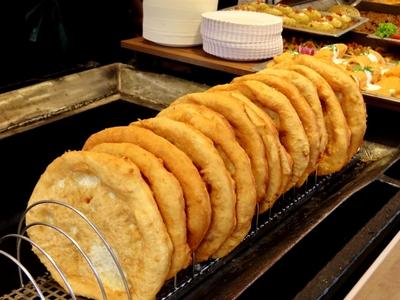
(191, 55)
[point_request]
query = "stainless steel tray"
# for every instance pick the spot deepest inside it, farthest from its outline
(386, 40)
(379, 7)
(358, 21)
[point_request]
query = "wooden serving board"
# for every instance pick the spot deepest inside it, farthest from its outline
(191, 55)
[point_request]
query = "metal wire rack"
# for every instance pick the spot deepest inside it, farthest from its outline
(44, 287)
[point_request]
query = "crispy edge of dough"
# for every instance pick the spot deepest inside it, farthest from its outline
(123, 178)
(334, 156)
(217, 128)
(351, 101)
(245, 131)
(207, 159)
(270, 138)
(304, 111)
(313, 99)
(198, 207)
(290, 128)
(167, 193)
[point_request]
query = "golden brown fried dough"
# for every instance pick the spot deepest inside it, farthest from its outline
(111, 192)
(220, 185)
(334, 156)
(270, 138)
(217, 128)
(290, 128)
(309, 92)
(167, 193)
(198, 208)
(276, 153)
(245, 131)
(304, 111)
(349, 96)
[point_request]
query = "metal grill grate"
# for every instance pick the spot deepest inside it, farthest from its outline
(51, 290)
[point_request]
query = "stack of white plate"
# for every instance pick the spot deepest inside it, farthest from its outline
(175, 22)
(241, 35)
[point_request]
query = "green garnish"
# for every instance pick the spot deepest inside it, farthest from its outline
(369, 69)
(358, 68)
(385, 30)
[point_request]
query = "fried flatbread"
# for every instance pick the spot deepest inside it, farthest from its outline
(217, 128)
(111, 192)
(167, 193)
(270, 138)
(245, 131)
(286, 120)
(304, 111)
(310, 94)
(334, 156)
(220, 185)
(348, 94)
(197, 201)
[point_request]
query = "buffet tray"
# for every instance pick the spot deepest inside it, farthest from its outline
(379, 7)
(386, 40)
(358, 21)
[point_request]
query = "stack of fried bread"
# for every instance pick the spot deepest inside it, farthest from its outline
(185, 185)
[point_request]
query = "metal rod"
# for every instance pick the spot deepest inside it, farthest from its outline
(95, 229)
(257, 213)
(21, 267)
(85, 256)
(49, 258)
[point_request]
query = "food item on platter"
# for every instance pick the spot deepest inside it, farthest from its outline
(389, 86)
(366, 66)
(202, 152)
(304, 111)
(191, 180)
(198, 208)
(217, 128)
(245, 131)
(103, 187)
(331, 52)
(345, 10)
(376, 18)
(167, 193)
(274, 154)
(386, 30)
(286, 120)
(308, 18)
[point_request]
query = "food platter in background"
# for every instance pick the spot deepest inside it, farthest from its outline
(377, 77)
(308, 19)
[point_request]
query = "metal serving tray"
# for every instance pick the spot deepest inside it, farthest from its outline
(379, 7)
(358, 21)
